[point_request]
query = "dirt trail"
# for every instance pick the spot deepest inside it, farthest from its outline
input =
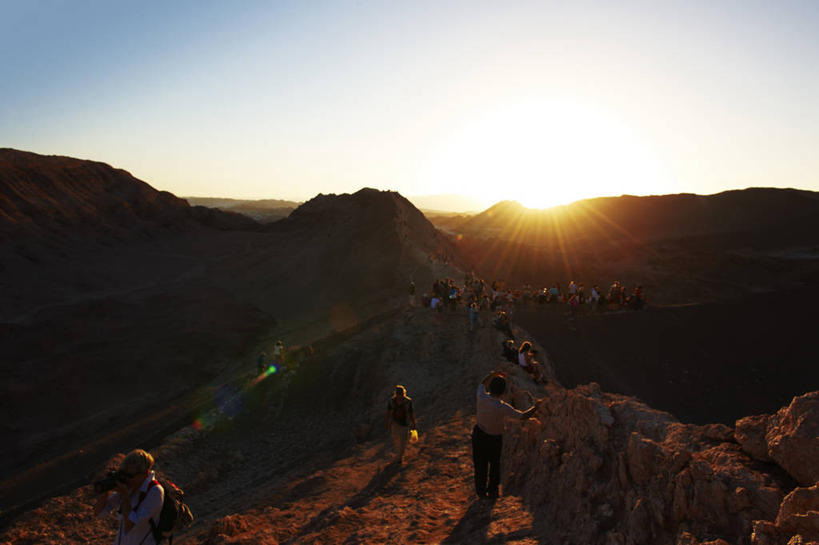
(363, 498)
(266, 475)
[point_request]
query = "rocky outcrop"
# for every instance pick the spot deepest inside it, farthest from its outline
(797, 522)
(790, 438)
(606, 469)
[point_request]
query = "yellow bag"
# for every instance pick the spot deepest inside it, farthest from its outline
(414, 436)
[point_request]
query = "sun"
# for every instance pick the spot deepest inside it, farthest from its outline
(542, 154)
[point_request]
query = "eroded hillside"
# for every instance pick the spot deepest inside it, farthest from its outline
(302, 458)
(122, 302)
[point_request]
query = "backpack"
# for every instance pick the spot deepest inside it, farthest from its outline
(400, 412)
(174, 514)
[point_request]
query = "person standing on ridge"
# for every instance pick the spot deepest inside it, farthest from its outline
(473, 315)
(399, 415)
(278, 353)
(487, 435)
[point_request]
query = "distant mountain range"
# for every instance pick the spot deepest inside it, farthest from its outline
(261, 210)
(682, 247)
(269, 210)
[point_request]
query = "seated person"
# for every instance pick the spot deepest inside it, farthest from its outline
(509, 351)
(526, 359)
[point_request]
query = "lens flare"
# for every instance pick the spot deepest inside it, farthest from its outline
(228, 401)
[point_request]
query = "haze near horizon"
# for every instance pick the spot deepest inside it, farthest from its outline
(542, 103)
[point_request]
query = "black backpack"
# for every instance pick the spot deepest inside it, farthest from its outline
(174, 514)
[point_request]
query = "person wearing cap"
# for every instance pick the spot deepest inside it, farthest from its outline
(487, 435)
(137, 500)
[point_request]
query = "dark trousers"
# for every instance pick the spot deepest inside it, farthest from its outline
(486, 454)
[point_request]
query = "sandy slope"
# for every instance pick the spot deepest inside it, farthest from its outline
(287, 467)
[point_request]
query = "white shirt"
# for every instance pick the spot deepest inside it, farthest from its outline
(492, 412)
(522, 359)
(594, 295)
(149, 509)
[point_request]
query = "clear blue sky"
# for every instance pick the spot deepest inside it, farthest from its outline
(543, 102)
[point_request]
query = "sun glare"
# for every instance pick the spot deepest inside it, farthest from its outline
(544, 154)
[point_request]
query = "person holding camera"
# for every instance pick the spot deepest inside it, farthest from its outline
(487, 435)
(133, 492)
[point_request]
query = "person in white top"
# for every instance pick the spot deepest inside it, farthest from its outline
(526, 359)
(487, 435)
(144, 494)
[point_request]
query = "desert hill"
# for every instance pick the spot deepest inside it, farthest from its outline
(653, 217)
(63, 196)
(303, 458)
(135, 303)
(682, 248)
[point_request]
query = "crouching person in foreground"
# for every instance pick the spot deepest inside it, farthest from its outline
(134, 494)
(487, 435)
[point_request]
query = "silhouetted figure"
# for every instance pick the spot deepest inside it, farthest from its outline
(510, 353)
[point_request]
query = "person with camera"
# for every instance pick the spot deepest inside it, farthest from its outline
(487, 435)
(136, 496)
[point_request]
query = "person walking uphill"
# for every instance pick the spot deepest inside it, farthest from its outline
(487, 435)
(399, 415)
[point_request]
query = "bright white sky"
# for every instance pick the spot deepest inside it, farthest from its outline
(541, 102)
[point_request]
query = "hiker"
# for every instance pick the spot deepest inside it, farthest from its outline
(487, 435)
(399, 415)
(473, 315)
(278, 352)
(503, 324)
(412, 293)
(526, 359)
(510, 353)
(135, 496)
(636, 301)
(261, 363)
(594, 299)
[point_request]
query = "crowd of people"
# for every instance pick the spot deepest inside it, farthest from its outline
(476, 294)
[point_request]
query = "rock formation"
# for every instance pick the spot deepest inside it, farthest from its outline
(607, 469)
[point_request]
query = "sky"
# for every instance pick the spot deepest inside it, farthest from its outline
(536, 101)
